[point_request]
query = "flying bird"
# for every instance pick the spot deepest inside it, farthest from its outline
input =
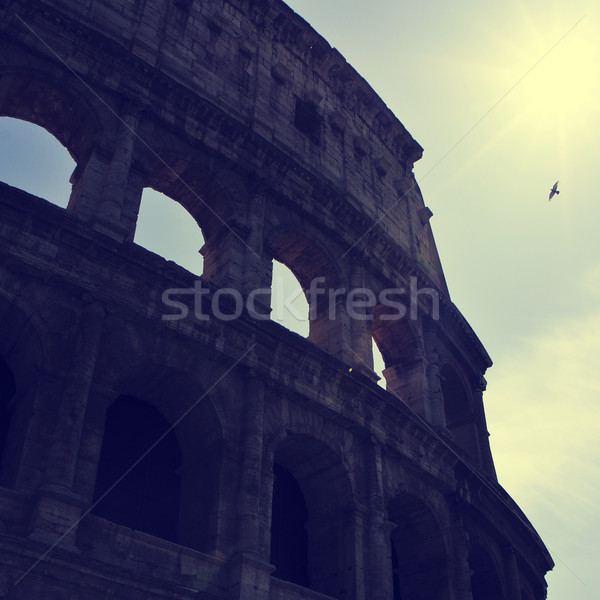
(553, 191)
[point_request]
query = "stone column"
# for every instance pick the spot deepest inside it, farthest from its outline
(459, 559)
(379, 582)
(254, 276)
(360, 572)
(434, 395)
(333, 332)
(58, 507)
(408, 381)
(250, 476)
(108, 218)
(224, 254)
(24, 471)
(257, 272)
(88, 182)
(481, 431)
(361, 338)
(511, 573)
(250, 570)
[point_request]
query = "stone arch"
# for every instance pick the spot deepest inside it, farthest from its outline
(63, 109)
(401, 347)
(315, 268)
(197, 428)
(320, 476)
(52, 98)
(418, 550)
(486, 581)
(458, 409)
(216, 199)
(396, 336)
(305, 256)
(214, 196)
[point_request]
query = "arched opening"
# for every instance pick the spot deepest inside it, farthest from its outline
(289, 540)
(485, 581)
(202, 468)
(57, 108)
(401, 353)
(209, 196)
(289, 306)
(7, 393)
(137, 481)
(63, 111)
(418, 552)
(379, 365)
(167, 229)
(307, 470)
(35, 161)
(458, 412)
(317, 275)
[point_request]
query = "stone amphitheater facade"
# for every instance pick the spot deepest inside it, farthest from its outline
(278, 468)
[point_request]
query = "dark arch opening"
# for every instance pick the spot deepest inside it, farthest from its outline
(456, 401)
(316, 475)
(7, 393)
(419, 558)
(289, 541)
(147, 498)
(485, 582)
(458, 412)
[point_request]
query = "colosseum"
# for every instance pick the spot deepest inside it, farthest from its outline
(161, 436)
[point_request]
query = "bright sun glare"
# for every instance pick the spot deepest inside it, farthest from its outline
(551, 77)
(563, 87)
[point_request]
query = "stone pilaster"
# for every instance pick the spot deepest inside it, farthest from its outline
(361, 338)
(250, 569)
(108, 219)
(408, 381)
(58, 507)
(88, 180)
(434, 394)
(511, 573)
(254, 273)
(379, 584)
(478, 387)
(224, 256)
(250, 476)
(459, 557)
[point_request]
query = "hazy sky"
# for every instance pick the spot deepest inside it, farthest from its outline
(504, 96)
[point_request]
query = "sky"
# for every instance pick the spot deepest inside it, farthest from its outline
(504, 97)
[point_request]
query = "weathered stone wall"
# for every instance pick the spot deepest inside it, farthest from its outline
(243, 114)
